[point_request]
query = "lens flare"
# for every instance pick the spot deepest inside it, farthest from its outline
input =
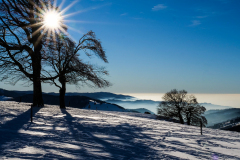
(52, 20)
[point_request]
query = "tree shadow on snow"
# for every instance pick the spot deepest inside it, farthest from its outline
(96, 145)
(71, 136)
(10, 130)
(108, 141)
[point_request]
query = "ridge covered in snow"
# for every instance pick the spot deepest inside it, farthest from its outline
(92, 134)
(94, 105)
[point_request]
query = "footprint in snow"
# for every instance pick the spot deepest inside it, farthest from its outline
(164, 138)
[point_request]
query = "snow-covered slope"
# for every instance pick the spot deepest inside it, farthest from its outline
(93, 105)
(3, 98)
(140, 110)
(89, 134)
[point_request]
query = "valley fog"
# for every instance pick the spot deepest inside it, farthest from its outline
(231, 100)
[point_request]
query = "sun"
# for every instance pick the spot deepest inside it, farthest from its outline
(52, 20)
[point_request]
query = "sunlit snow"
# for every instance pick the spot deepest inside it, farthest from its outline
(92, 134)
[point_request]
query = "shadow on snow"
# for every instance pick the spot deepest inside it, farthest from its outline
(63, 136)
(12, 129)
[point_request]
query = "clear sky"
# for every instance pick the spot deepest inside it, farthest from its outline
(154, 46)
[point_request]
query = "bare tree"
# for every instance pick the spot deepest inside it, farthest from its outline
(193, 112)
(179, 105)
(21, 43)
(173, 104)
(66, 63)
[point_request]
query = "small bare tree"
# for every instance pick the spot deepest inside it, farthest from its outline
(193, 112)
(68, 66)
(179, 105)
(173, 104)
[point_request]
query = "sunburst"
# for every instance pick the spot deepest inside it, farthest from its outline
(52, 18)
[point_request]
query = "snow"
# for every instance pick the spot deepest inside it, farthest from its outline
(3, 98)
(93, 105)
(92, 134)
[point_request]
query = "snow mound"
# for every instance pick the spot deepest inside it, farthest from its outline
(92, 134)
(3, 98)
(93, 105)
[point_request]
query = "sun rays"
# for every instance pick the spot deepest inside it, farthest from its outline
(53, 20)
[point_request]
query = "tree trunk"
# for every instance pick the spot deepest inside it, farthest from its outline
(62, 92)
(37, 87)
(36, 64)
(188, 121)
(37, 92)
(180, 118)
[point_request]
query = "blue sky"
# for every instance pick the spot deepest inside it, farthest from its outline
(154, 46)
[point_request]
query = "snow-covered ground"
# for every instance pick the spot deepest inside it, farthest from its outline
(93, 105)
(3, 98)
(89, 134)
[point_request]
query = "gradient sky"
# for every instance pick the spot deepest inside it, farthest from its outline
(154, 46)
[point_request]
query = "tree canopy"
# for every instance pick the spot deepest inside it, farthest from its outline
(27, 49)
(66, 64)
(178, 105)
(21, 43)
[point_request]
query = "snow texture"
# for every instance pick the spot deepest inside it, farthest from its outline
(93, 105)
(92, 134)
(3, 98)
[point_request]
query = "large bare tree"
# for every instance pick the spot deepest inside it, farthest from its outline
(66, 64)
(21, 43)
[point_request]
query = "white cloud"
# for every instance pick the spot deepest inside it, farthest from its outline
(124, 14)
(159, 7)
(195, 23)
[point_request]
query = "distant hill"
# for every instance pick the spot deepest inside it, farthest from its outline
(233, 128)
(210, 106)
(140, 110)
(7, 93)
(96, 95)
(79, 100)
(93, 105)
(119, 99)
(70, 101)
(231, 125)
(4, 98)
(219, 116)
